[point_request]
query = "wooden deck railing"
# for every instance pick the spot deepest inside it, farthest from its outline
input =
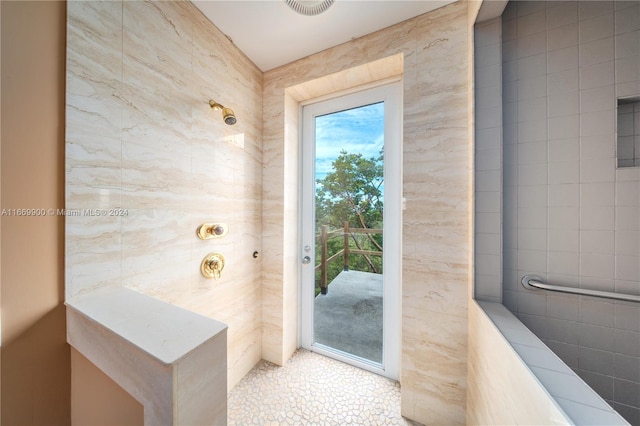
(325, 235)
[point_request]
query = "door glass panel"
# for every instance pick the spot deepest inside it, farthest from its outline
(349, 202)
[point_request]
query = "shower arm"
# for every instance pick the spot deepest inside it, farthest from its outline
(215, 105)
(531, 282)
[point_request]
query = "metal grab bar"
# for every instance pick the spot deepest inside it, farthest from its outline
(533, 281)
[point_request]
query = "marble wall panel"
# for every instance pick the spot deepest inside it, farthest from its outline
(434, 392)
(92, 252)
(141, 136)
(94, 121)
(155, 255)
(496, 388)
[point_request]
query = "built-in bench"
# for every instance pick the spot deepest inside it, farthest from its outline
(516, 378)
(173, 361)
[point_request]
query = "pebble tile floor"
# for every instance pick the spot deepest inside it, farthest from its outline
(312, 389)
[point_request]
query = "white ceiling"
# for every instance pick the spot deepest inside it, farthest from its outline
(271, 34)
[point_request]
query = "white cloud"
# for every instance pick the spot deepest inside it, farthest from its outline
(357, 131)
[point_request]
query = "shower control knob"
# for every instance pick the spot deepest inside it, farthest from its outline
(306, 260)
(212, 265)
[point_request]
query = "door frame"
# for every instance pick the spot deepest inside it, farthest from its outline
(391, 94)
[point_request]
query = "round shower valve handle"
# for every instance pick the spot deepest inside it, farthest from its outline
(212, 265)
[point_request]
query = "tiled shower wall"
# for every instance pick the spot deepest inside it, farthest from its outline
(143, 141)
(570, 215)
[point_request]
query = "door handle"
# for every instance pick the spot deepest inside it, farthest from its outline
(306, 260)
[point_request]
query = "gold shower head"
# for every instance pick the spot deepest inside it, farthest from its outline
(227, 113)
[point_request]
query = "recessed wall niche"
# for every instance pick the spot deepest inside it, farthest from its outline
(628, 151)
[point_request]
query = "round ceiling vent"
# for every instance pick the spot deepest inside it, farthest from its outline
(309, 8)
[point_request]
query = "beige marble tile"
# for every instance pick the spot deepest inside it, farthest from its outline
(437, 108)
(163, 179)
(92, 252)
(155, 255)
(202, 395)
(446, 297)
(216, 166)
(94, 122)
(103, 193)
(495, 388)
(157, 40)
(432, 364)
(94, 44)
(93, 131)
(439, 34)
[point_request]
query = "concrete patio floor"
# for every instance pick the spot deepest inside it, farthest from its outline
(349, 316)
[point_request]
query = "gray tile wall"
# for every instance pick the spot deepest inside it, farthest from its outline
(569, 214)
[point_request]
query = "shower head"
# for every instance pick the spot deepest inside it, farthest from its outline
(227, 113)
(228, 116)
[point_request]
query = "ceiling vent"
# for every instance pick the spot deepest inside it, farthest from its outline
(309, 8)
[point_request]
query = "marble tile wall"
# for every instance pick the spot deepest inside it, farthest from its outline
(143, 141)
(570, 215)
(436, 223)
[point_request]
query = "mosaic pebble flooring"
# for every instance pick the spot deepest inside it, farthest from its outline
(314, 390)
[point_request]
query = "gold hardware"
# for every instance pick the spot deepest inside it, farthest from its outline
(212, 265)
(228, 115)
(207, 231)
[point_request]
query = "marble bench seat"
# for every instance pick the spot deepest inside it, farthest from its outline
(171, 360)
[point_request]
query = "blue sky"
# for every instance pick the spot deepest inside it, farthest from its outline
(358, 130)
